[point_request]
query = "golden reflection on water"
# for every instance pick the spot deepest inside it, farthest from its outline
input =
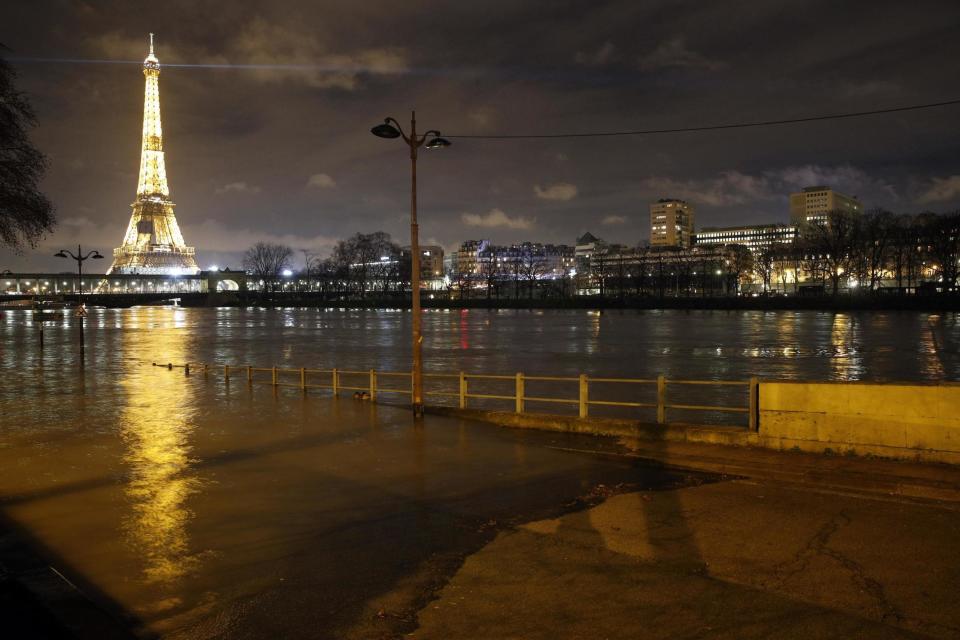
(787, 334)
(155, 425)
(930, 347)
(845, 361)
(593, 328)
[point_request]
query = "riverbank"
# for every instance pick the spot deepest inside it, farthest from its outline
(769, 303)
(241, 299)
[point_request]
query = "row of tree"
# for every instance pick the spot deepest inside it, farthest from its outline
(844, 250)
(360, 265)
(868, 252)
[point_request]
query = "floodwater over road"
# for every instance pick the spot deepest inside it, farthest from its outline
(205, 509)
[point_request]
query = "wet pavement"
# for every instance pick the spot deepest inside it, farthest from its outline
(202, 510)
(733, 560)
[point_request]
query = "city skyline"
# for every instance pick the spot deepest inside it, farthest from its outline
(244, 169)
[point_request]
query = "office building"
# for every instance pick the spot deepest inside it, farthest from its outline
(671, 223)
(813, 203)
(754, 237)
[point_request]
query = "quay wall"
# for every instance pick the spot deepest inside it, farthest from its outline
(896, 420)
(908, 422)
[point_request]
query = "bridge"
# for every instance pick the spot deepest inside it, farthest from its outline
(123, 290)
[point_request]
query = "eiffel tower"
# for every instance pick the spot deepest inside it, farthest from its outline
(153, 243)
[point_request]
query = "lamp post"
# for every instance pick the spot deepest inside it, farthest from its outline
(391, 129)
(80, 258)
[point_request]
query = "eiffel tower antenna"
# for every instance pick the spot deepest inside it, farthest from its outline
(153, 243)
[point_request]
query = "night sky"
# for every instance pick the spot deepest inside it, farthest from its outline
(286, 155)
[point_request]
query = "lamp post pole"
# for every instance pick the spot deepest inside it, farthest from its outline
(392, 129)
(79, 273)
(415, 274)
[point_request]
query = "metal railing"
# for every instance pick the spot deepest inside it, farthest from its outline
(371, 382)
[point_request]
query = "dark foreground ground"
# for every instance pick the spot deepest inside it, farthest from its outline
(262, 516)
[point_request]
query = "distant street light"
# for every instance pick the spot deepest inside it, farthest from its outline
(80, 258)
(391, 129)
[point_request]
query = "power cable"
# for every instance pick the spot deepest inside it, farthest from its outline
(715, 127)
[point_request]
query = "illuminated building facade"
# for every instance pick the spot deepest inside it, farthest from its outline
(586, 246)
(755, 237)
(431, 265)
(671, 223)
(153, 243)
(813, 203)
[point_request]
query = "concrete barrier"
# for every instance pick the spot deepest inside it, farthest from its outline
(909, 422)
(893, 420)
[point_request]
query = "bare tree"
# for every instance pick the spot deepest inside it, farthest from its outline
(904, 242)
(637, 269)
(490, 270)
(739, 264)
(531, 266)
(879, 230)
(311, 267)
(267, 261)
(462, 280)
(621, 269)
(25, 213)
(341, 259)
(942, 237)
(834, 240)
(765, 261)
(683, 266)
(662, 258)
(600, 265)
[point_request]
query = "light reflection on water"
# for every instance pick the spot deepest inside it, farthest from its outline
(155, 425)
(935, 341)
(692, 344)
(844, 338)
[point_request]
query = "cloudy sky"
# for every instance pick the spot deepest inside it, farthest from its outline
(273, 142)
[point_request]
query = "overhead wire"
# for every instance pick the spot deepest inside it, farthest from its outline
(714, 127)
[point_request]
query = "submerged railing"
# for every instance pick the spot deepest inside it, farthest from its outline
(457, 388)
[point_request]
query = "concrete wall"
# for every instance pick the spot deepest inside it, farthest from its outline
(913, 422)
(887, 419)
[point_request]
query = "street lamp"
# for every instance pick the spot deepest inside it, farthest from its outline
(80, 258)
(391, 129)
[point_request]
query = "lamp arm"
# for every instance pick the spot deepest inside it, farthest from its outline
(423, 138)
(393, 121)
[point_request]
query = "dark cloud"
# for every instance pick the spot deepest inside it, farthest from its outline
(673, 53)
(248, 146)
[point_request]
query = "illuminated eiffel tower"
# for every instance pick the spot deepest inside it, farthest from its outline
(153, 243)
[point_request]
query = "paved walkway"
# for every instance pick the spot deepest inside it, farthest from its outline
(858, 475)
(802, 547)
